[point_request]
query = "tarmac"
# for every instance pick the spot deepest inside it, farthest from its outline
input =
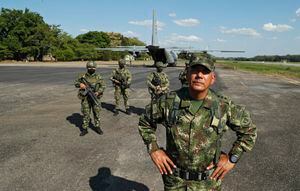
(41, 148)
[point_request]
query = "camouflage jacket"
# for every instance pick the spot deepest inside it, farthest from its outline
(192, 138)
(121, 74)
(96, 81)
(163, 79)
(182, 77)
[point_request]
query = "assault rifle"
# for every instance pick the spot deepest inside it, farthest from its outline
(89, 91)
(156, 81)
(121, 81)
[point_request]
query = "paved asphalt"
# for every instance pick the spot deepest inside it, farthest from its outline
(40, 147)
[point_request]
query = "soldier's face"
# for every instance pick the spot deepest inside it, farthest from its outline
(159, 69)
(200, 78)
(91, 70)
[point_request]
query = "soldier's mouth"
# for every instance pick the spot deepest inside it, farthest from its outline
(198, 82)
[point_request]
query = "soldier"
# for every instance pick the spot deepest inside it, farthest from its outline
(158, 82)
(182, 76)
(90, 81)
(121, 78)
(195, 118)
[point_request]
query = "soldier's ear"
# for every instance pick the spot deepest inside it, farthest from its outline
(213, 78)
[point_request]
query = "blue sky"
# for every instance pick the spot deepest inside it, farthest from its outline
(259, 27)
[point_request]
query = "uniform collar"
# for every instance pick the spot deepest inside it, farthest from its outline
(186, 99)
(90, 75)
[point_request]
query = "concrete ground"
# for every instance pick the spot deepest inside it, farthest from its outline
(40, 147)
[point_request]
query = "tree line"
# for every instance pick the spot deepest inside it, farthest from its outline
(269, 58)
(24, 35)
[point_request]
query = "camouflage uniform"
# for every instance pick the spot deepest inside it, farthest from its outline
(182, 76)
(120, 74)
(98, 85)
(194, 136)
(158, 80)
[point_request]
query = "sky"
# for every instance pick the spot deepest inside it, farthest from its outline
(269, 27)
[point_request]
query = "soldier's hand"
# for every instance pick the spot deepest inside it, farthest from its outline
(82, 86)
(96, 94)
(158, 90)
(223, 167)
(162, 162)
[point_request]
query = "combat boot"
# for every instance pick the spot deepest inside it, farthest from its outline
(116, 112)
(83, 132)
(128, 112)
(99, 130)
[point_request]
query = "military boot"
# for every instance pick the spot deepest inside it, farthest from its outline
(83, 132)
(99, 130)
(116, 112)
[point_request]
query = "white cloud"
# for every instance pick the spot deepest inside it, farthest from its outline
(190, 38)
(241, 31)
(187, 22)
(130, 34)
(298, 12)
(148, 23)
(176, 39)
(274, 38)
(293, 20)
(298, 38)
(276, 28)
(172, 14)
(220, 40)
(84, 30)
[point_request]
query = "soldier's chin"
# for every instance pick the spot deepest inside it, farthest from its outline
(197, 87)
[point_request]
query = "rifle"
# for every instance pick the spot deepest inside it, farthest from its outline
(89, 91)
(121, 81)
(156, 81)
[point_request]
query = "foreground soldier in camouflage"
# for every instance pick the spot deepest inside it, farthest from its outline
(121, 78)
(158, 82)
(196, 118)
(95, 82)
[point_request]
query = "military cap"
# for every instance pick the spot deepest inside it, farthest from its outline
(203, 61)
(91, 64)
(160, 65)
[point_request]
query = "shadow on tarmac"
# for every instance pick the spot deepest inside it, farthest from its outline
(108, 106)
(105, 181)
(135, 110)
(77, 119)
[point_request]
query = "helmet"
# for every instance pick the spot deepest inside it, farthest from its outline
(91, 64)
(160, 65)
(122, 62)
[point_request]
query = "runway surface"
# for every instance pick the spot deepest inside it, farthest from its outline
(41, 148)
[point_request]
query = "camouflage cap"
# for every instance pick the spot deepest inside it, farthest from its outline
(91, 64)
(160, 65)
(203, 61)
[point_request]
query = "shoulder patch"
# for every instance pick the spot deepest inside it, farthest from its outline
(222, 97)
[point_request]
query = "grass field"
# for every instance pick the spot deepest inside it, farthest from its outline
(270, 69)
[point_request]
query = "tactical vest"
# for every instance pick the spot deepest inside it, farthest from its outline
(93, 84)
(173, 103)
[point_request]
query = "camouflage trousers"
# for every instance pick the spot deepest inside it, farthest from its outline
(175, 183)
(124, 93)
(86, 107)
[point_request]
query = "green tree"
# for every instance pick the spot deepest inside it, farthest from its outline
(24, 34)
(99, 39)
